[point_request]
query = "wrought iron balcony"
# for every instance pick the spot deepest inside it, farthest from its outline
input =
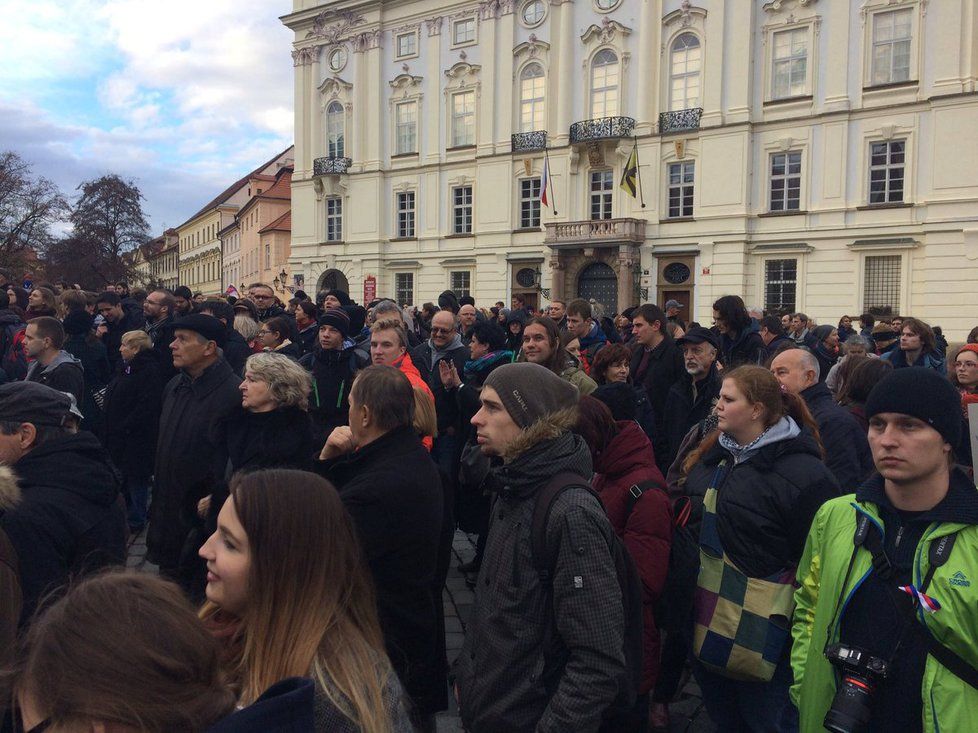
(603, 128)
(595, 231)
(681, 119)
(526, 141)
(330, 166)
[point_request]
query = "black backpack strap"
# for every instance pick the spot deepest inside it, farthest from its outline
(542, 505)
(635, 493)
(937, 555)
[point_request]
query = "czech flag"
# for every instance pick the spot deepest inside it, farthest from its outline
(545, 181)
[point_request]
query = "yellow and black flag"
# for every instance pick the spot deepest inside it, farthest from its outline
(629, 176)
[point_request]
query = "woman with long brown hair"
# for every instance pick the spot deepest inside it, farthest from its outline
(754, 486)
(289, 595)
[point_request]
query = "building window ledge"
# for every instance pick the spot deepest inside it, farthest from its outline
(892, 85)
(459, 147)
(893, 205)
(789, 100)
(403, 239)
(402, 156)
(466, 235)
(775, 214)
(676, 219)
(525, 230)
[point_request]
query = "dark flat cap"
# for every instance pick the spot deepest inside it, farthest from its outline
(207, 326)
(699, 335)
(32, 402)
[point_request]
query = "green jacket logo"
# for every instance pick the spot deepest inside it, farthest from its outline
(960, 579)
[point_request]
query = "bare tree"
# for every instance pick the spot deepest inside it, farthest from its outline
(28, 208)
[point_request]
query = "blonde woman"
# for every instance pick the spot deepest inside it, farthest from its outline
(288, 595)
(131, 408)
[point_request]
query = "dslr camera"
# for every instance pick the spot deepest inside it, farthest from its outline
(861, 674)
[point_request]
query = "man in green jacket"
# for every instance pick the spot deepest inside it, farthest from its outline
(918, 517)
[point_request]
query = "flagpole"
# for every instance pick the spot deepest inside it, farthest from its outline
(550, 179)
(638, 174)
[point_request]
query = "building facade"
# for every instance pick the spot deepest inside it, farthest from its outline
(164, 260)
(809, 155)
(263, 256)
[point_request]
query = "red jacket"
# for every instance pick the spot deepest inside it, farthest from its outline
(414, 377)
(647, 531)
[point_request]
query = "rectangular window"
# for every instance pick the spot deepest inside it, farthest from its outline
(405, 214)
(790, 63)
(407, 45)
(681, 178)
(334, 219)
(406, 127)
(780, 285)
(268, 257)
(881, 283)
(891, 47)
(404, 288)
(462, 210)
(886, 169)
(601, 187)
(463, 31)
(463, 119)
(529, 203)
(786, 181)
(460, 282)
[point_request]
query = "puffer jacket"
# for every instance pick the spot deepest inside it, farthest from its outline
(764, 504)
(64, 374)
(534, 658)
(574, 374)
(646, 531)
(948, 703)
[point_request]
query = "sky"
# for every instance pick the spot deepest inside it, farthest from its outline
(183, 97)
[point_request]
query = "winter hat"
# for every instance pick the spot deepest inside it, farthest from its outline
(207, 326)
(883, 334)
(822, 332)
(530, 392)
(620, 399)
(78, 323)
(448, 301)
(358, 317)
(33, 402)
(341, 295)
(967, 347)
(338, 319)
(920, 393)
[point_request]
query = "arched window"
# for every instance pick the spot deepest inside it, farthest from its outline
(685, 59)
(604, 84)
(334, 130)
(532, 92)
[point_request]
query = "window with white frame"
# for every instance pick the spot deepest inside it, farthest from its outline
(891, 46)
(887, 162)
(604, 84)
(685, 60)
(529, 203)
(335, 130)
(462, 210)
(790, 63)
(334, 219)
(405, 214)
(533, 13)
(404, 288)
(786, 181)
(532, 83)
(460, 282)
(602, 184)
(406, 127)
(680, 189)
(407, 45)
(463, 31)
(881, 282)
(268, 256)
(463, 119)
(780, 285)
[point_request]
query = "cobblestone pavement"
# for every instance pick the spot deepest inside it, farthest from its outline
(687, 712)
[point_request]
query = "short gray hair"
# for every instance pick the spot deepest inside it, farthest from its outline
(288, 383)
(856, 340)
(808, 361)
(246, 326)
(387, 306)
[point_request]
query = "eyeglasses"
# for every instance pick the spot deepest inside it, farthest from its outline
(968, 364)
(264, 333)
(441, 330)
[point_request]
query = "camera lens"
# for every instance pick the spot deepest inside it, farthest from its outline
(850, 710)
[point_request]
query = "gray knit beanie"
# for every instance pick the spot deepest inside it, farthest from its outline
(530, 392)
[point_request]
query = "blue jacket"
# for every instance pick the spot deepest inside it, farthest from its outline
(932, 360)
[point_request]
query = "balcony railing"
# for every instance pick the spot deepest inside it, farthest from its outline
(330, 166)
(603, 128)
(595, 231)
(681, 119)
(526, 141)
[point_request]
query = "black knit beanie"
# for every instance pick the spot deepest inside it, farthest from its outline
(338, 319)
(78, 322)
(922, 393)
(530, 392)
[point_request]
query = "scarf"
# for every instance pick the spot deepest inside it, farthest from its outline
(784, 429)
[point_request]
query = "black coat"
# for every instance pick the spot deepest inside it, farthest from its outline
(64, 374)
(332, 377)
(747, 348)
(185, 456)
(97, 372)
(765, 504)
(71, 519)
(392, 490)
(132, 414)
(847, 451)
(115, 331)
(683, 411)
(445, 404)
(237, 351)
(308, 339)
(161, 333)
(665, 367)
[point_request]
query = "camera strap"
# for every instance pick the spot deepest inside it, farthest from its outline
(938, 554)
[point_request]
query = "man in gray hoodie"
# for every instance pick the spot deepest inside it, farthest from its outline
(51, 365)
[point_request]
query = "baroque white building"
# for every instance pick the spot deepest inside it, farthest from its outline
(813, 155)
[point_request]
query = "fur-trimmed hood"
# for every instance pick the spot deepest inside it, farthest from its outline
(9, 490)
(546, 428)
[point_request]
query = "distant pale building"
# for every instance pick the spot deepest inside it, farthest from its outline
(264, 248)
(164, 261)
(200, 246)
(806, 154)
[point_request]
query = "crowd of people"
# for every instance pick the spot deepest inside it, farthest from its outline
(785, 510)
